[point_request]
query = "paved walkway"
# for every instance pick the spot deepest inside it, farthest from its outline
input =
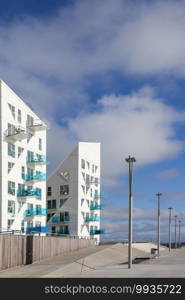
(39, 269)
(169, 265)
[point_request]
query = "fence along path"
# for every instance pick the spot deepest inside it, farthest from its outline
(16, 250)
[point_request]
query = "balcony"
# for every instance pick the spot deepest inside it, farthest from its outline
(29, 193)
(37, 160)
(34, 177)
(57, 219)
(92, 219)
(35, 212)
(16, 134)
(96, 206)
(98, 196)
(37, 229)
(37, 125)
(97, 231)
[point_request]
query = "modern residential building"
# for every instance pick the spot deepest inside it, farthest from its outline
(73, 193)
(22, 165)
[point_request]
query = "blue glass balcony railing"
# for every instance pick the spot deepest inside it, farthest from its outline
(63, 232)
(97, 231)
(98, 196)
(36, 176)
(29, 193)
(57, 219)
(37, 229)
(37, 159)
(35, 212)
(92, 219)
(96, 206)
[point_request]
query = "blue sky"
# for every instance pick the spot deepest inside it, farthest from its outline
(113, 72)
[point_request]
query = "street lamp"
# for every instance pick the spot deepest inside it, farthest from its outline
(130, 160)
(175, 232)
(170, 215)
(179, 232)
(158, 223)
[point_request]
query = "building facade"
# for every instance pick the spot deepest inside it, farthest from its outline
(22, 165)
(73, 193)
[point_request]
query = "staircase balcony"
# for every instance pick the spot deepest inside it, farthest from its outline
(29, 193)
(96, 206)
(17, 134)
(97, 231)
(92, 219)
(57, 219)
(35, 212)
(37, 160)
(35, 177)
(37, 229)
(37, 125)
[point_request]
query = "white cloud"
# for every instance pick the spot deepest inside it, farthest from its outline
(137, 124)
(167, 174)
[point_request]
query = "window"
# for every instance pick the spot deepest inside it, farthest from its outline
(51, 204)
(30, 156)
(19, 116)
(30, 223)
(12, 108)
(22, 226)
(83, 188)
(91, 193)
(92, 168)
(30, 172)
(11, 187)
(83, 174)
(64, 189)
(48, 217)
(23, 172)
(96, 168)
(88, 165)
(39, 193)
(96, 181)
(29, 136)
(40, 144)
(11, 207)
(11, 129)
(87, 178)
(21, 188)
(10, 222)
(11, 149)
(64, 230)
(49, 192)
(29, 121)
(62, 201)
(82, 163)
(10, 166)
(20, 150)
(53, 229)
(64, 216)
(82, 201)
(88, 203)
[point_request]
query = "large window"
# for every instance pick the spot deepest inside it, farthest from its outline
(11, 187)
(51, 204)
(20, 150)
(10, 166)
(11, 207)
(29, 121)
(19, 116)
(11, 149)
(64, 189)
(30, 156)
(82, 163)
(49, 191)
(12, 109)
(40, 144)
(11, 129)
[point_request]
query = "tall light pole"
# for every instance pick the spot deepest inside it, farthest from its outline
(158, 223)
(170, 215)
(130, 160)
(175, 232)
(179, 232)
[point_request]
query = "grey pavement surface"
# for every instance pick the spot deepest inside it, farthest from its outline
(169, 265)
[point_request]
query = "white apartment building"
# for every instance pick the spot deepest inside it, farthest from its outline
(22, 165)
(73, 194)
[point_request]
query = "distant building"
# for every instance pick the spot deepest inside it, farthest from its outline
(73, 193)
(22, 165)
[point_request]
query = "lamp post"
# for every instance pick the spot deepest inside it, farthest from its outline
(179, 232)
(130, 160)
(175, 232)
(158, 223)
(170, 215)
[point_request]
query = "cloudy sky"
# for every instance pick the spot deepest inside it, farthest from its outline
(109, 71)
